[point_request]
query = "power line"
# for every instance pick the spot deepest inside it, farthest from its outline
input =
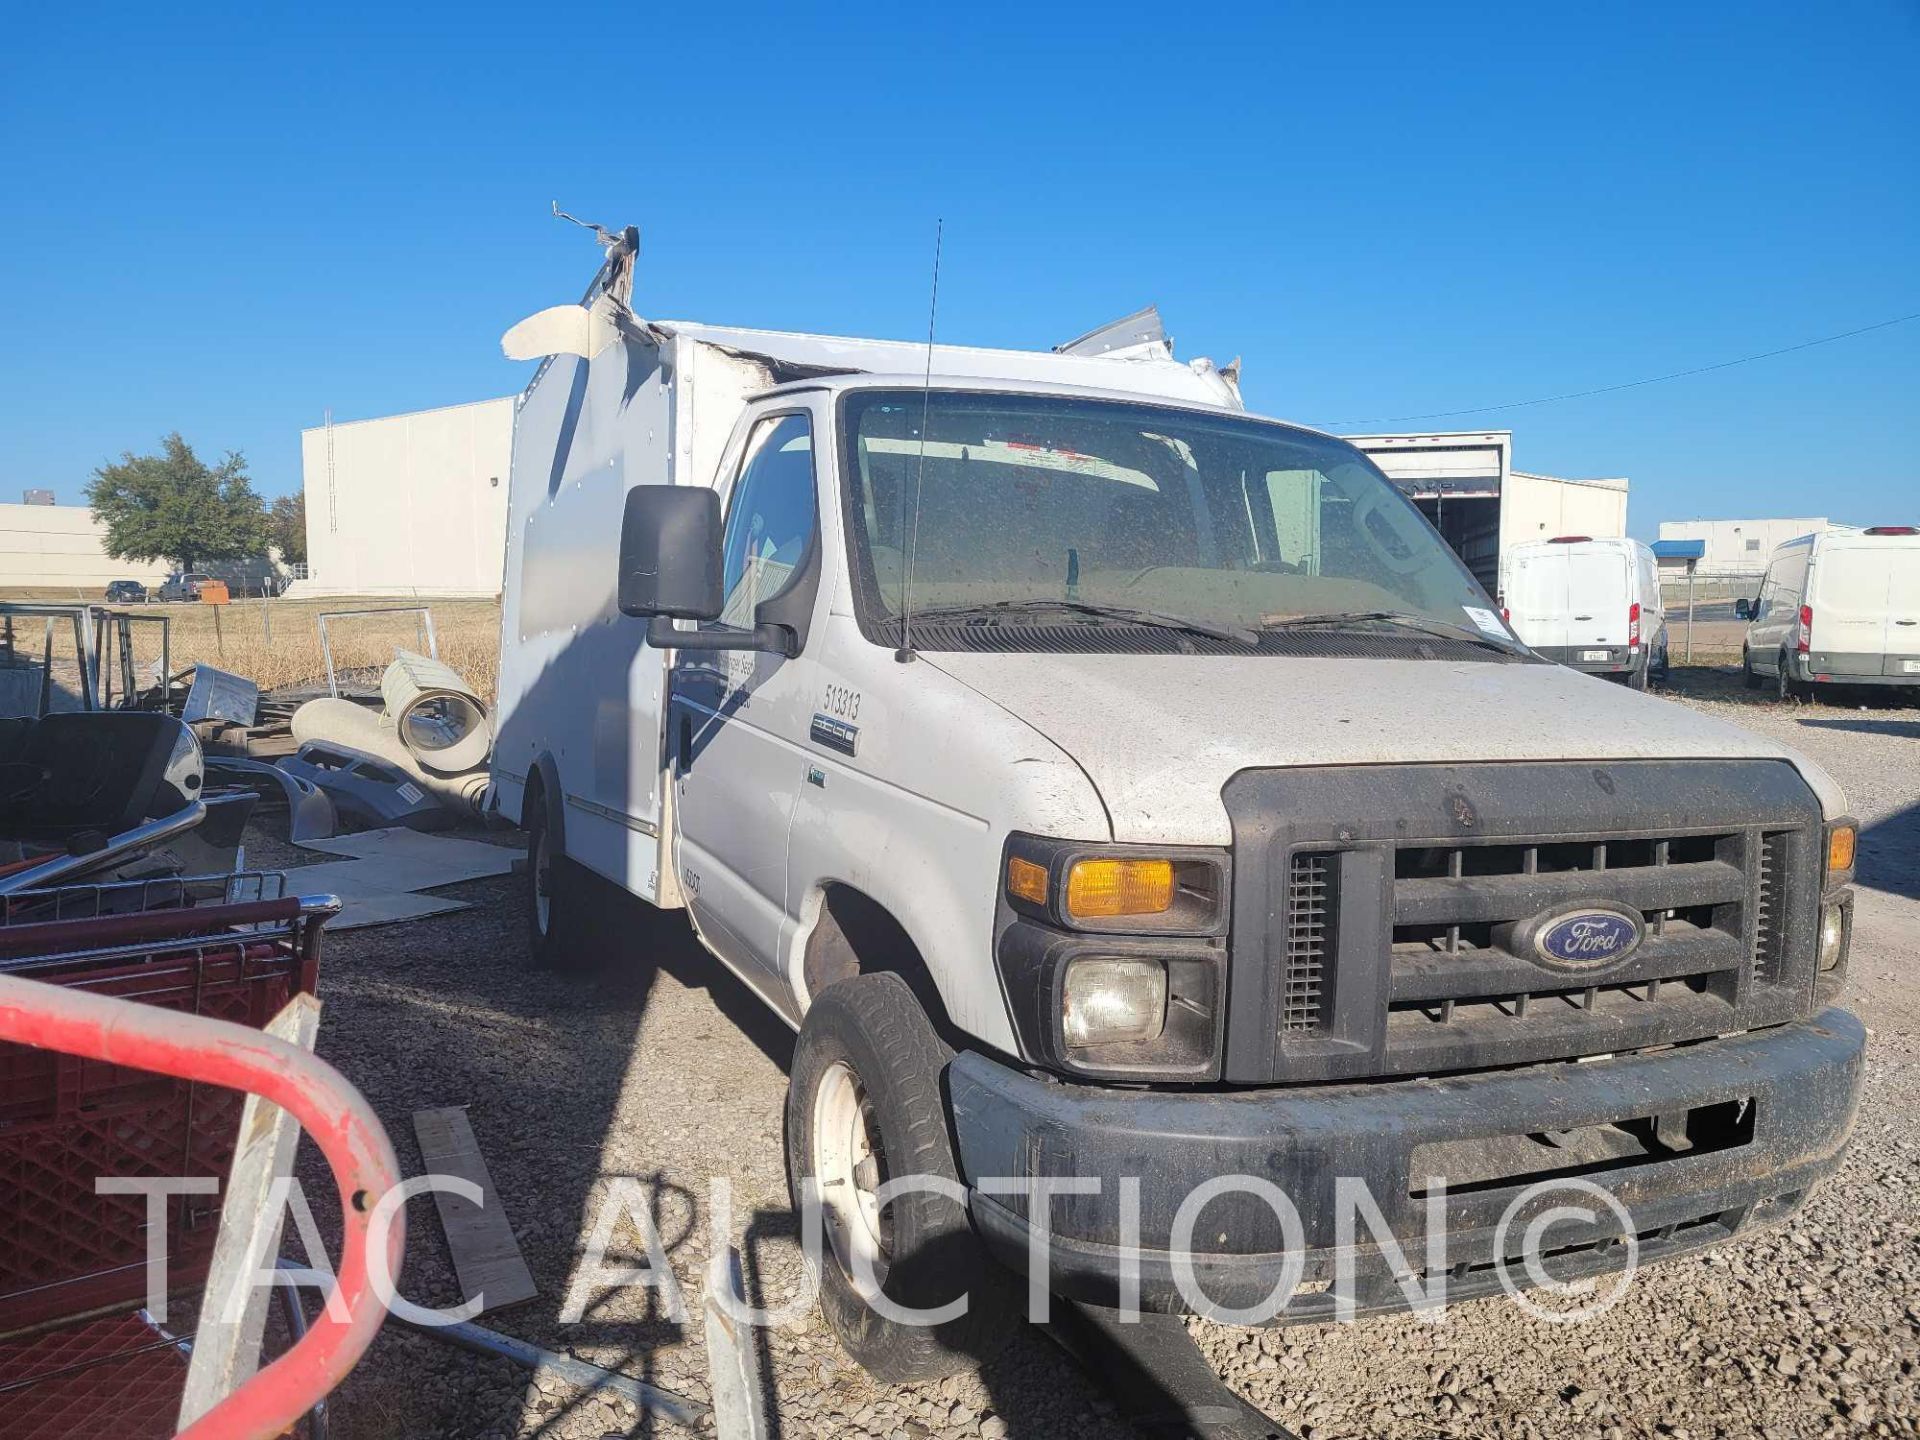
(1630, 384)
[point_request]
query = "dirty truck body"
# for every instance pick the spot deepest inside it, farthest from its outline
(1231, 889)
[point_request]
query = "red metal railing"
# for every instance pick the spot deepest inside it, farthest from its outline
(340, 1121)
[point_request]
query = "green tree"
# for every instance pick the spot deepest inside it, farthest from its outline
(173, 506)
(287, 523)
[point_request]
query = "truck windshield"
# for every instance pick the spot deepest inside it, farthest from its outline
(1010, 503)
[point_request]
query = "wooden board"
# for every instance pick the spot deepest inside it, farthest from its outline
(226, 1352)
(486, 1257)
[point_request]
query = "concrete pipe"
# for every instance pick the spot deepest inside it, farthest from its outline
(436, 714)
(356, 727)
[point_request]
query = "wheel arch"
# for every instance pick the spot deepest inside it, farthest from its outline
(851, 933)
(543, 788)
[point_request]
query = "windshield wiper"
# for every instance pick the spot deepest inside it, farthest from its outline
(1124, 613)
(1400, 619)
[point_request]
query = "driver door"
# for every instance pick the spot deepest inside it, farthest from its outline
(738, 717)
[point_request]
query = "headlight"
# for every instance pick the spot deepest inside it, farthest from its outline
(1833, 935)
(1111, 1001)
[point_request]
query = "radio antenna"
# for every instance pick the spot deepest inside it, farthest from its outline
(905, 652)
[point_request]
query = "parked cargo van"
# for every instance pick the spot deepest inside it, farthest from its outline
(1132, 803)
(1592, 605)
(1841, 607)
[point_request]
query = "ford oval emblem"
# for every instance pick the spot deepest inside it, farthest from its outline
(1588, 939)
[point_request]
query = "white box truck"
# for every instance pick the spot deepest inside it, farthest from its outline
(1841, 607)
(1121, 793)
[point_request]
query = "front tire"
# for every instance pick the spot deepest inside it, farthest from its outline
(553, 895)
(864, 1105)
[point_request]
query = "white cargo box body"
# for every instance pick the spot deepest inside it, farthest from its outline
(658, 406)
(1864, 593)
(1563, 593)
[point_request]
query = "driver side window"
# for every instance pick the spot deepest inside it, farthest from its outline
(770, 516)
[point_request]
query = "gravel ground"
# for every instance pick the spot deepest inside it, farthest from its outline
(573, 1084)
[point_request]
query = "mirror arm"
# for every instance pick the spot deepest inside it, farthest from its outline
(774, 639)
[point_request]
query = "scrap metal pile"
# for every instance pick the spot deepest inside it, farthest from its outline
(407, 746)
(420, 760)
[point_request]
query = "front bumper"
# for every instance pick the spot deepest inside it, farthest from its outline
(1011, 1127)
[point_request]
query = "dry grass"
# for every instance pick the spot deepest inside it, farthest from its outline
(235, 637)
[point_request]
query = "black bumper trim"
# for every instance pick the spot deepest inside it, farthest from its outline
(1804, 1079)
(1619, 661)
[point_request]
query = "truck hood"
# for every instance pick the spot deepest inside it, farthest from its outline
(1159, 735)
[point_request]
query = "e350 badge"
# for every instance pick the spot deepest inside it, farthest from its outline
(834, 733)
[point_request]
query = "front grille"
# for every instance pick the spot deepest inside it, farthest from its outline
(1458, 962)
(1309, 922)
(1403, 943)
(1769, 935)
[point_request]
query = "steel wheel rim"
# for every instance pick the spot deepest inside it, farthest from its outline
(542, 882)
(850, 1166)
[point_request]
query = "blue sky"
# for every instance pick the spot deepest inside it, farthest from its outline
(226, 221)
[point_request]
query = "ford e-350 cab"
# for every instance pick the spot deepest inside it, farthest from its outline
(1119, 792)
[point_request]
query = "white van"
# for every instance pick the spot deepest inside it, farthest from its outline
(1125, 796)
(1838, 608)
(1590, 604)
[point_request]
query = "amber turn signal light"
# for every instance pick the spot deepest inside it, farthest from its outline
(1100, 889)
(1840, 845)
(1027, 881)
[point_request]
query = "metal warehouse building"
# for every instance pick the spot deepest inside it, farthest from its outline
(1738, 547)
(411, 504)
(59, 550)
(1465, 483)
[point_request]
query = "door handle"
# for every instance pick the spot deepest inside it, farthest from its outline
(1906, 622)
(1583, 617)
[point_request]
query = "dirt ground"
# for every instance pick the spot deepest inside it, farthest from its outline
(1809, 1330)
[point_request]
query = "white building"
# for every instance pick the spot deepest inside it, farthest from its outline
(1738, 547)
(59, 552)
(410, 504)
(1465, 483)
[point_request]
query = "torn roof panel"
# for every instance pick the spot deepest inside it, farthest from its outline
(791, 354)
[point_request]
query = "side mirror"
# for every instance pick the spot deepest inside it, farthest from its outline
(671, 569)
(1743, 609)
(670, 553)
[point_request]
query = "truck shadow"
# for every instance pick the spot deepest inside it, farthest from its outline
(1018, 1366)
(457, 1014)
(1890, 854)
(1902, 729)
